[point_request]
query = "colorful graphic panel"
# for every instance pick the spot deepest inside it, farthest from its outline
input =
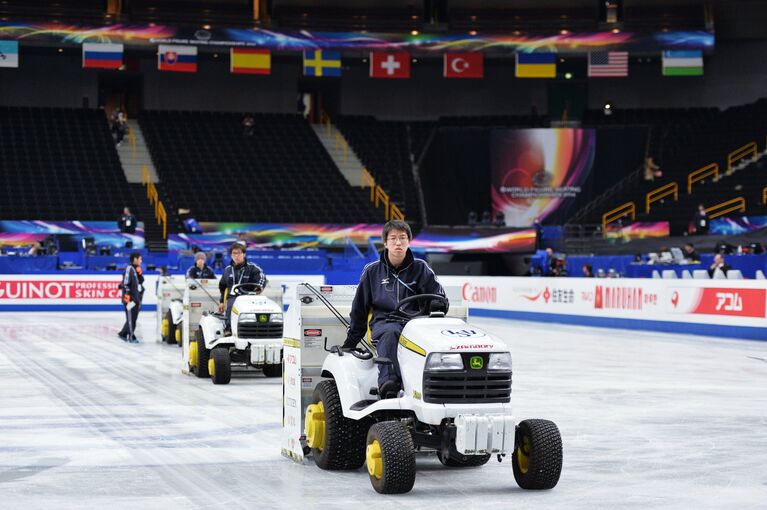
(104, 233)
(536, 171)
(638, 230)
(733, 226)
(435, 240)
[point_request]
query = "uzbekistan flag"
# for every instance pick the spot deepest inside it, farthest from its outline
(683, 63)
(177, 58)
(102, 56)
(536, 65)
(322, 63)
(9, 54)
(250, 61)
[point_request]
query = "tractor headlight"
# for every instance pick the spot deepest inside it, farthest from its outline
(275, 317)
(500, 361)
(444, 361)
(247, 317)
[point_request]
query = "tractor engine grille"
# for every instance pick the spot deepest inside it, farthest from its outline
(467, 386)
(259, 330)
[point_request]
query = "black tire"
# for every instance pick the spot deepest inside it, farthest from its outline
(344, 438)
(537, 458)
(203, 355)
(273, 370)
(171, 338)
(222, 370)
(467, 461)
(397, 474)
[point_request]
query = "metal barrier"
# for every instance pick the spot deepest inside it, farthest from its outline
(619, 212)
(739, 154)
(671, 188)
(736, 204)
(702, 173)
(379, 196)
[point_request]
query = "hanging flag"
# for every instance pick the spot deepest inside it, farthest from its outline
(181, 59)
(536, 65)
(463, 65)
(102, 56)
(9, 54)
(250, 61)
(683, 63)
(390, 65)
(322, 63)
(608, 64)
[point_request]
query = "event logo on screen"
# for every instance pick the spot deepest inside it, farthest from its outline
(536, 171)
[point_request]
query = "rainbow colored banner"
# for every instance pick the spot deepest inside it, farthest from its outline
(732, 226)
(638, 230)
(104, 233)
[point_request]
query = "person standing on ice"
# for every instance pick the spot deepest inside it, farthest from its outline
(132, 288)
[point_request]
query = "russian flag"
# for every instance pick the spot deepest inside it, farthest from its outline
(102, 55)
(177, 58)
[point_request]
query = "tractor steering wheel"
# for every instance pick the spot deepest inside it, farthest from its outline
(425, 310)
(246, 289)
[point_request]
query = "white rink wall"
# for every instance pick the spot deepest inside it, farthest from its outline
(725, 308)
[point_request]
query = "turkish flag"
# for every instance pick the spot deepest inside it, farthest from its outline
(464, 65)
(390, 65)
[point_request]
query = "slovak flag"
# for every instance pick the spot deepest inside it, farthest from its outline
(177, 58)
(464, 65)
(390, 65)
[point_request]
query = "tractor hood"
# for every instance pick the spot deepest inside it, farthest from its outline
(450, 335)
(255, 304)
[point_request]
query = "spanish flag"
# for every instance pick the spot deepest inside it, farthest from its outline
(250, 61)
(536, 65)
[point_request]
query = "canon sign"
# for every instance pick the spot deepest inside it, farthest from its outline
(479, 294)
(60, 289)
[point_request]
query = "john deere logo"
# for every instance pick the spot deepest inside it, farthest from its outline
(476, 362)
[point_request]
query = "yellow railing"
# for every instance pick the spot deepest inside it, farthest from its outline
(160, 214)
(764, 196)
(618, 212)
(748, 150)
(378, 196)
(736, 204)
(671, 188)
(702, 173)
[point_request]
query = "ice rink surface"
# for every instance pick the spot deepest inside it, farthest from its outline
(648, 420)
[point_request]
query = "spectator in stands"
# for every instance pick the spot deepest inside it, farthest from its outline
(248, 125)
(500, 219)
(486, 218)
(718, 264)
(651, 170)
(689, 252)
(538, 233)
(237, 272)
(200, 270)
(700, 221)
(588, 271)
(132, 289)
(119, 124)
(555, 262)
(383, 283)
(127, 222)
(34, 250)
(472, 219)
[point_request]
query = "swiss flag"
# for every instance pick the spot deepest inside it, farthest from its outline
(390, 65)
(464, 65)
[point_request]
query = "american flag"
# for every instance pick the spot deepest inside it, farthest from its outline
(608, 64)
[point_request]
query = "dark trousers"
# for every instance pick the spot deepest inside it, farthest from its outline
(131, 316)
(386, 335)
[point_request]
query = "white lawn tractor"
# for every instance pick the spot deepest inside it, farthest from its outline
(170, 308)
(254, 340)
(455, 403)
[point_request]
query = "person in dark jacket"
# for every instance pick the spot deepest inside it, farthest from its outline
(127, 222)
(237, 272)
(395, 276)
(132, 289)
(200, 270)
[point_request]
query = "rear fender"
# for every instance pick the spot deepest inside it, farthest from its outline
(212, 330)
(354, 378)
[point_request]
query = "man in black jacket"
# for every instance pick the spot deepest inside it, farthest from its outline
(237, 272)
(127, 222)
(395, 276)
(200, 270)
(132, 288)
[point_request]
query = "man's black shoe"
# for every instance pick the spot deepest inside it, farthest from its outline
(389, 389)
(124, 338)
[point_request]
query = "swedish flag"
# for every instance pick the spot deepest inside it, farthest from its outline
(322, 63)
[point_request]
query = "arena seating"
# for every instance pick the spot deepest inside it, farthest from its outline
(59, 164)
(280, 174)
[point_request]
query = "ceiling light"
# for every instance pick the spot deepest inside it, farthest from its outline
(414, 32)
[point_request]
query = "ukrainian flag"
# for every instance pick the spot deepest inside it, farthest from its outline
(322, 63)
(536, 65)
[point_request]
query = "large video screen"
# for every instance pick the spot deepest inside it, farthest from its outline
(535, 172)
